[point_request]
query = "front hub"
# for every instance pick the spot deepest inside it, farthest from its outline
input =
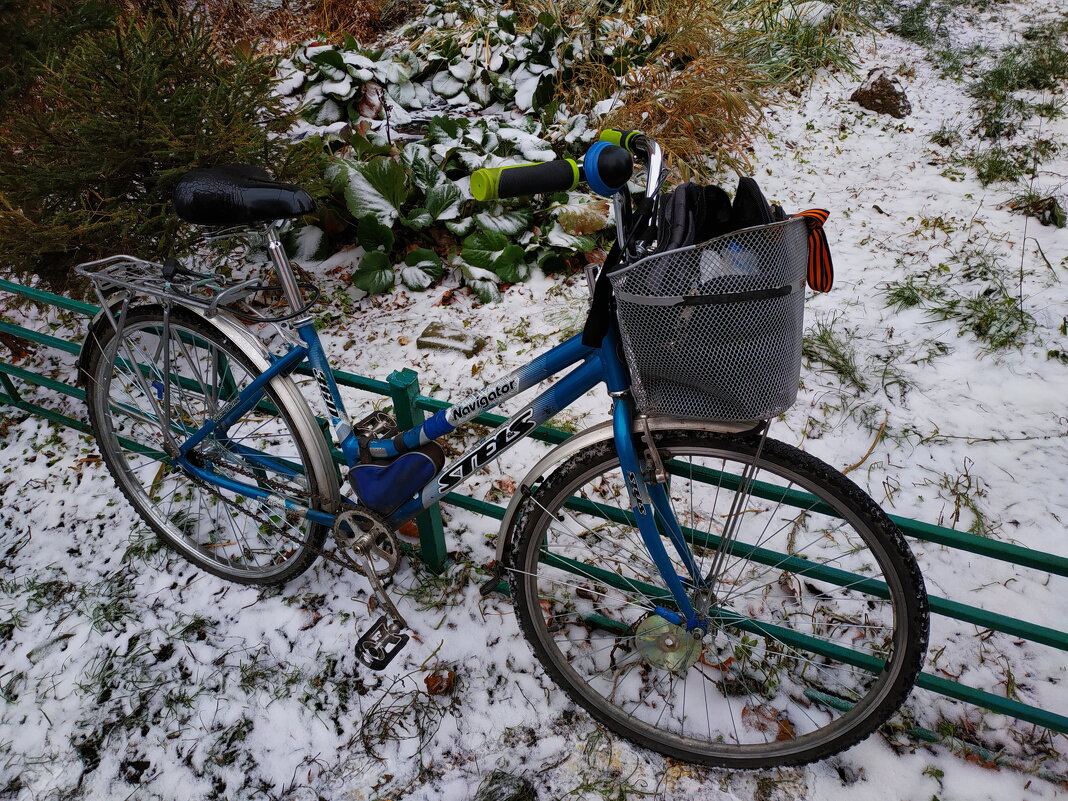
(665, 645)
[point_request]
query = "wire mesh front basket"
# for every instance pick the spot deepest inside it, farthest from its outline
(713, 331)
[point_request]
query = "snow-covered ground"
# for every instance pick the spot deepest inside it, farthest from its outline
(126, 673)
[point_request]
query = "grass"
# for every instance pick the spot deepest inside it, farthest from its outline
(946, 136)
(602, 774)
(696, 75)
(994, 317)
(250, 21)
(403, 712)
(825, 344)
(998, 165)
(1038, 64)
(989, 309)
(922, 23)
(916, 290)
(438, 591)
(964, 491)
(1042, 204)
(1004, 85)
(500, 785)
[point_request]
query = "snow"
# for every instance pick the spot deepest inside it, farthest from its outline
(995, 423)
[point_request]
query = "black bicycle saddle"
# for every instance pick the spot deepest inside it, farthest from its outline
(235, 195)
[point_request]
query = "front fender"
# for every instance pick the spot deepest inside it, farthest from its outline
(584, 439)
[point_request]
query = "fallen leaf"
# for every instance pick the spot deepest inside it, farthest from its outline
(768, 719)
(440, 682)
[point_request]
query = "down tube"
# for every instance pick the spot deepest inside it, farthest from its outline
(559, 396)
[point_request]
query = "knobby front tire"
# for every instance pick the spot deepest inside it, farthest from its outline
(232, 536)
(819, 612)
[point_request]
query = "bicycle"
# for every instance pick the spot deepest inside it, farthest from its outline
(699, 588)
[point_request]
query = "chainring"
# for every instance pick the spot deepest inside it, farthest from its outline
(363, 532)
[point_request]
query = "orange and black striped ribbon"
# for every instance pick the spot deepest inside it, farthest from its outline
(820, 270)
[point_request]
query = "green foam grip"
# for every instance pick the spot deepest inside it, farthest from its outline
(622, 139)
(492, 183)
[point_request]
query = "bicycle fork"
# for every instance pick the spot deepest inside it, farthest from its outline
(651, 506)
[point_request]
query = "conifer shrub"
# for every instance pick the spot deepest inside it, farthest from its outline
(30, 30)
(88, 169)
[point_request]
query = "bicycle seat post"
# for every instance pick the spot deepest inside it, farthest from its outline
(290, 288)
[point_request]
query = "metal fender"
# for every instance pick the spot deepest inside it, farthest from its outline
(592, 436)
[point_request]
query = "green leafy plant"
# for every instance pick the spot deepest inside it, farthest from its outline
(972, 290)
(351, 83)
(825, 344)
(946, 136)
(998, 164)
(922, 22)
(31, 32)
(414, 222)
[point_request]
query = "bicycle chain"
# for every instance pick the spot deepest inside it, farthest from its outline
(337, 557)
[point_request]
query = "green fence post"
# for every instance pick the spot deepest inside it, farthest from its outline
(11, 394)
(404, 389)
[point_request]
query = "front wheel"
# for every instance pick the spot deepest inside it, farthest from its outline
(816, 612)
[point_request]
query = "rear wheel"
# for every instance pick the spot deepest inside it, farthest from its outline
(225, 532)
(817, 618)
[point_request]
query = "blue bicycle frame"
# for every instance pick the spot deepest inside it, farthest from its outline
(649, 502)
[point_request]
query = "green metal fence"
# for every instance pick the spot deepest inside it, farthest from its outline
(409, 407)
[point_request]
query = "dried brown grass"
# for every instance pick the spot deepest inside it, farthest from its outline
(698, 94)
(294, 20)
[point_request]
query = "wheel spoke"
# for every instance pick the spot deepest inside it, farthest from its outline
(238, 537)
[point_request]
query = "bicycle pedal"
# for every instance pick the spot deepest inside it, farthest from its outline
(493, 583)
(376, 425)
(381, 643)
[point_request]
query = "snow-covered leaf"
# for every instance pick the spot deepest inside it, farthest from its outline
(323, 112)
(373, 235)
(308, 243)
(425, 174)
(561, 238)
(422, 268)
(375, 273)
(446, 84)
(418, 219)
(330, 58)
(482, 282)
(512, 265)
(578, 219)
(338, 90)
(461, 227)
(510, 223)
(443, 201)
(378, 187)
(484, 248)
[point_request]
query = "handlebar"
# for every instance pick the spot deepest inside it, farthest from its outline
(606, 168)
(634, 142)
(525, 179)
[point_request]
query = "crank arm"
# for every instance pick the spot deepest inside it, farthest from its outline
(386, 638)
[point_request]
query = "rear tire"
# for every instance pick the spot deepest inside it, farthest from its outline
(832, 574)
(237, 538)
